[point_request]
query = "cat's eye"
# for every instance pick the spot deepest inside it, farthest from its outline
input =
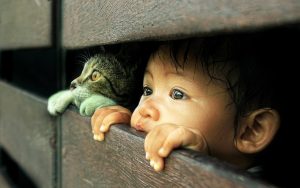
(147, 91)
(95, 76)
(177, 94)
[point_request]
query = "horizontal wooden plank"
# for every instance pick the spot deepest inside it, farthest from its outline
(120, 161)
(27, 133)
(87, 23)
(25, 23)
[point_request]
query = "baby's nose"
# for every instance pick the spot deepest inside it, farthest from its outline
(149, 111)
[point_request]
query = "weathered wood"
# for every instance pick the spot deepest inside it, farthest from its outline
(27, 133)
(120, 161)
(3, 181)
(87, 23)
(25, 23)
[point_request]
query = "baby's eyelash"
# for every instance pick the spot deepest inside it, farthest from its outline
(177, 94)
(147, 91)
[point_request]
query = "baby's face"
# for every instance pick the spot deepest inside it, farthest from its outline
(186, 97)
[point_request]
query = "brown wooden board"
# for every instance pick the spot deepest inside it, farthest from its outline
(120, 161)
(25, 23)
(87, 23)
(27, 133)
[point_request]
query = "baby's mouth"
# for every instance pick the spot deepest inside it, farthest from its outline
(139, 125)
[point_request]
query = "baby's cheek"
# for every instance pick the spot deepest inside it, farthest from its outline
(133, 119)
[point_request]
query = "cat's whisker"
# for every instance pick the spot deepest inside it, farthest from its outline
(115, 83)
(83, 58)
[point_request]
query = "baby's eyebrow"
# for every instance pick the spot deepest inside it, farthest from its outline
(176, 74)
(182, 76)
(147, 72)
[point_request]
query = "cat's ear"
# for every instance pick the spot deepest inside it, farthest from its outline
(257, 130)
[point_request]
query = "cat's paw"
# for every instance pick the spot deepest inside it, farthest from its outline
(59, 101)
(89, 105)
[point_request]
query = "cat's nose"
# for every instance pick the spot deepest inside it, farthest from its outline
(73, 85)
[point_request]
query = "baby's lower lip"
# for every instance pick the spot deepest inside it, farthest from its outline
(139, 127)
(139, 124)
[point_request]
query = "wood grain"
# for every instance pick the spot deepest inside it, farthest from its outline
(3, 182)
(87, 23)
(120, 161)
(25, 23)
(27, 133)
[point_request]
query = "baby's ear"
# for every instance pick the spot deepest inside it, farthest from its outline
(257, 130)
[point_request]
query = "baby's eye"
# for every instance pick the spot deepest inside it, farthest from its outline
(95, 76)
(147, 91)
(177, 94)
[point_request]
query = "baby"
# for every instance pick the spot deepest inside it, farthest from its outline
(211, 95)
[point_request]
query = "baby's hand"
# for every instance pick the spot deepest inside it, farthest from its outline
(104, 117)
(162, 139)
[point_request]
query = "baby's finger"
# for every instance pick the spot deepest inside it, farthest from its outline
(99, 114)
(96, 115)
(157, 163)
(95, 125)
(153, 142)
(120, 109)
(174, 140)
(98, 119)
(114, 118)
(182, 137)
(99, 137)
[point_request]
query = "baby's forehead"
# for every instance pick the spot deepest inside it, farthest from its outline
(191, 65)
(164, 64)
(178, 58)
(181, 61)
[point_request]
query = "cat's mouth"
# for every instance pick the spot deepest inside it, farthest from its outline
(81, 94)
(73, 84)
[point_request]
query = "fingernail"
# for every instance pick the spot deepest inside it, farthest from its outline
(152, 163)
(156, 167)
(147, 156)
(95, 137)
(100, 138)
(161, 151)
(102, 128)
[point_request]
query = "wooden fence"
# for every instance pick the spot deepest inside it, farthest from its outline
(60, 152)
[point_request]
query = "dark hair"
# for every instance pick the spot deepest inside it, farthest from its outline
(252, 73)
(264, 64)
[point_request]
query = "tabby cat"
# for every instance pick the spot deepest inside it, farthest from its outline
(104, 81)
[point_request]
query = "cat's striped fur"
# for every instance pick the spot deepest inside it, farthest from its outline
(103, 81)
